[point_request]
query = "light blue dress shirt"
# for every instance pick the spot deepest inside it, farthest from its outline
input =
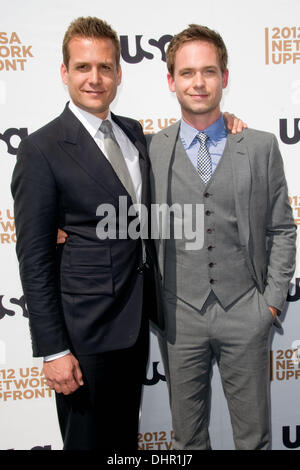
(216, 142)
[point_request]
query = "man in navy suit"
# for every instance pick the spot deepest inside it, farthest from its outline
(85, 299)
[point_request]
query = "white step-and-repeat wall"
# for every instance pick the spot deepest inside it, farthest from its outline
(263, 40)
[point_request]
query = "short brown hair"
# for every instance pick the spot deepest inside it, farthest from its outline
(196, 32)
(89, 27)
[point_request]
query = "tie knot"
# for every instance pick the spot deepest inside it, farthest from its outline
(202, 137)
(106, 127)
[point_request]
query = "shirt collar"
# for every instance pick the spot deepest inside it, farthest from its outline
(88, 120)
(215, 131)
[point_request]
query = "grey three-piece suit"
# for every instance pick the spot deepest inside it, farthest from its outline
(216, 298)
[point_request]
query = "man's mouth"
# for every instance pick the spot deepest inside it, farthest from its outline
(201, 95)
(94, 92)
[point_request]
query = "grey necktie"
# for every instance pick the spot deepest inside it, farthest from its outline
(116, 158)
(204, 166)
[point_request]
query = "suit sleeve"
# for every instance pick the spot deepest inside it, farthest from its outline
(36, 217)
(281, 233)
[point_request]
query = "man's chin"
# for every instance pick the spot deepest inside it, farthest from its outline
(93, 108)
(200, 110)
(203, 109)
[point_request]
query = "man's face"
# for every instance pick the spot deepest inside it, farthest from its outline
(92, 75)
(198, 82)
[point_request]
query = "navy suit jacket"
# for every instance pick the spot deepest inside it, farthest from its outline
(86, 295)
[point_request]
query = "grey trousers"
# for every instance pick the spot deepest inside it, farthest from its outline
(238, 338)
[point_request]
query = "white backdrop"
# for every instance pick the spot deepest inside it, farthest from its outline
(263, 40)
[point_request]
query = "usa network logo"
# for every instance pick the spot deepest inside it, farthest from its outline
(11, 137)
(156, 375)
(135, 50)
(7, 310)
(291, 437)
(292, 135)
(295, 295)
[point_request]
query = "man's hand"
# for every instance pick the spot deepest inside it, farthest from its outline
(274, 311)
(234, 124)
(61, 236)
(63, 374)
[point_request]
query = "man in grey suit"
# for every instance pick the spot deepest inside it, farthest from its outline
(219, 301)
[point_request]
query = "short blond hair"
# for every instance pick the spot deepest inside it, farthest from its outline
(89, 27)
(196, 32)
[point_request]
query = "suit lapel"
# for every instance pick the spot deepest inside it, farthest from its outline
(84, 151)
(242, 182)
(161, 151)
(165, 149)
(124, 124)
(143, 156)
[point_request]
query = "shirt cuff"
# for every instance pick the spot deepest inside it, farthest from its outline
(56, 356)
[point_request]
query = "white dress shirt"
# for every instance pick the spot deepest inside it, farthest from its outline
(131, 156)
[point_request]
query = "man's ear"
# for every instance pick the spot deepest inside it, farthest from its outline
(119, 74)
(64, 73)
(171, 82)
(225, 76)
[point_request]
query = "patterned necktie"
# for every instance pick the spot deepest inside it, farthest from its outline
(204, 166)
(116, 158)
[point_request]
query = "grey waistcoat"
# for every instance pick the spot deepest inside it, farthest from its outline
(220, 265)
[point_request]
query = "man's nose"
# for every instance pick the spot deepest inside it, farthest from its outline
(198, 80)
(94, 76)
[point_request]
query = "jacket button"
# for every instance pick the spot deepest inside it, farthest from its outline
(207, 212)
(211, 265)
(212, 281)
(206, 194)
(210, 247)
